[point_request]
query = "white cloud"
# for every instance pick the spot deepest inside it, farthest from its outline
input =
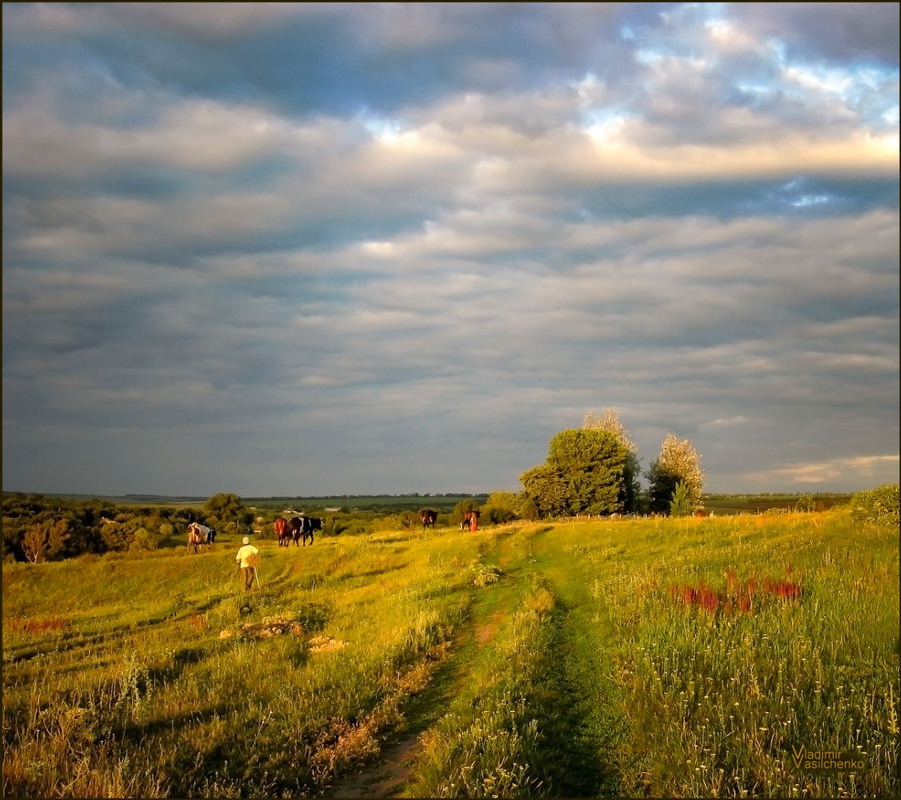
(190, 135)
(837, 470)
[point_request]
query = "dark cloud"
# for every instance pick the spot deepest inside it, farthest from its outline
(301, 248)
(839, 32)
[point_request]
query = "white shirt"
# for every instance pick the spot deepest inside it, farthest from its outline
(245, 554)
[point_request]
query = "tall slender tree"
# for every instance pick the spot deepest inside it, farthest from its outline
(678, 462)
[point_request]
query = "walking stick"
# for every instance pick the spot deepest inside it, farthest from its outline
(258, 579)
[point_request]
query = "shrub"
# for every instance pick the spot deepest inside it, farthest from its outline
(143, 540)
(878, 506)
(352, 525)
(485, 574)
(499, 516)
(502, 507)
(461, 508)
(45, 541)
(682, 504)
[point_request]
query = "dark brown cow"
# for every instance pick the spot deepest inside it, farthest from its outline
(295, 529)
(428, 517)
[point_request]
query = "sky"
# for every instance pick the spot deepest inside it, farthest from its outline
(354, 248)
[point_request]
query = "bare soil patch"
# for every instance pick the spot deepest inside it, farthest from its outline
(487, 632)
(385, 778)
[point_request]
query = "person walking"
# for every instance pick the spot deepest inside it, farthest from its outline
(248, 558)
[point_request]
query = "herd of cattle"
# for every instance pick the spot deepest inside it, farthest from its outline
(299, 529)
(296, 529)
(470, 519)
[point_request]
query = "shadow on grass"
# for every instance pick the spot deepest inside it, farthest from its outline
(580, 730)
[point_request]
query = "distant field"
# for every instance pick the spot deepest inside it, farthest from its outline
(631, 657)
(756, 504)
(719, 503)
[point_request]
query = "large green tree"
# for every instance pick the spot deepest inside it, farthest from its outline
(609, 421)
(583, 474)
(226, 512)
(545, 491)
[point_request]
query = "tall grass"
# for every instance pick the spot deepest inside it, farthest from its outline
(720, 700)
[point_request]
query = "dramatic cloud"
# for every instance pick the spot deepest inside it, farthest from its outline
(335, 248)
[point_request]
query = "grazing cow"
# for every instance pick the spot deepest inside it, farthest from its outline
(302, 529)
(199, 535)
(312, 524)
(470, 519)
(281, 531)
(428, 517)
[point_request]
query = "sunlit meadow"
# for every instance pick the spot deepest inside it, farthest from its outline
(691, 657)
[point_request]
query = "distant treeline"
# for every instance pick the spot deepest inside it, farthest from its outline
(38, 528)
(373, 502)
(404, 501)
(44, 528)
(52, 527)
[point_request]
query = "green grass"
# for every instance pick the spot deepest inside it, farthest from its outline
(539, 660)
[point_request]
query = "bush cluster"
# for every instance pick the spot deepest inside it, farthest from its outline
(878, 506)
(485, 574)
(38, 528)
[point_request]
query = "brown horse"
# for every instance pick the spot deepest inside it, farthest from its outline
(428, 517)
(281, 531)
(469, 517)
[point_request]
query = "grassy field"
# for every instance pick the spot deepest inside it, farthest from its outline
(767, 503)
(697, 657)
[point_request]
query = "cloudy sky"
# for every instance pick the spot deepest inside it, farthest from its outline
(366, 247)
